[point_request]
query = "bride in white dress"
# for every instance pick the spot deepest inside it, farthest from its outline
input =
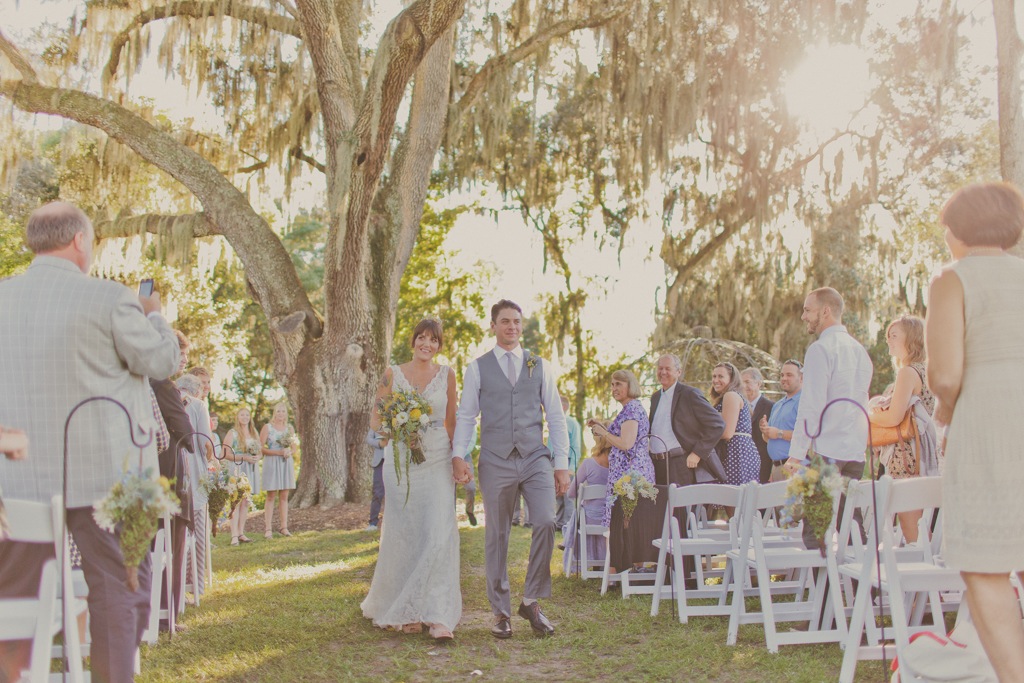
(416, 581)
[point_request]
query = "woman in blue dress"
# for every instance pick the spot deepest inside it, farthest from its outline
(736, 448)
(245, 452)
(278, 439)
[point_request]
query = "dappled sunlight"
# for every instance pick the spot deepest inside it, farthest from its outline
(294, 572)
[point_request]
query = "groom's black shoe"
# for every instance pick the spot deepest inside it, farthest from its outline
(471, 517)
(538, 622)
(502, 629)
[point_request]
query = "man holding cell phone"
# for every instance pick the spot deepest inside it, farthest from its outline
(66, 337)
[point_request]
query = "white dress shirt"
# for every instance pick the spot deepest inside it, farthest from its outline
(661, 423)
(835, 366)
(469, 407)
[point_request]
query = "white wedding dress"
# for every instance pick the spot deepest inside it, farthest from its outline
(417, 574)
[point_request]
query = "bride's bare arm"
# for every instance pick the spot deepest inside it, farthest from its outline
(383, 389)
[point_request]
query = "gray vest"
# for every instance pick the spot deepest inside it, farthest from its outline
(511, 417)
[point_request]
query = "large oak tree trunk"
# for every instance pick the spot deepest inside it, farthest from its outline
(1010, 53)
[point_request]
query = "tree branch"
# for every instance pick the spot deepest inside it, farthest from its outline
(198, 10)
(268, 266)
(17, 60)
(532, 45)
(196, 224)
(337, 84)
(294, 152)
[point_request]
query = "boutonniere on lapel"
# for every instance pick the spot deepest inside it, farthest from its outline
(531, 363)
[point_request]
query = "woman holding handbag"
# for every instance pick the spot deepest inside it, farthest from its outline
(902, 459)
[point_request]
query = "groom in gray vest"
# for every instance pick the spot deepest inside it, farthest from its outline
(513, 392)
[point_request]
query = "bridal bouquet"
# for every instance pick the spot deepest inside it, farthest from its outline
(404, 417)
(134, 504)
(630, 487)
(809, 496)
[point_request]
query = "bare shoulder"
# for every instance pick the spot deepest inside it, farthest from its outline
(731, 399)
(947, 282)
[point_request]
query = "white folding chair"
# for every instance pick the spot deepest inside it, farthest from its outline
(41, 618)
(189, 566)
(163, 564)
(789, 556)
(702, 543)
(905, 574)
(590, 567)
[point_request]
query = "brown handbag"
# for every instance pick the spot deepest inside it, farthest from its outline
(906, 430)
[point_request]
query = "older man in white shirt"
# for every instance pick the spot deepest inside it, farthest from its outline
(835, 366)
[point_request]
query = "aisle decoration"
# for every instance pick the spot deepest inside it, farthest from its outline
(134, 505)
(810, 493)
(405, 416)
(630, 487)
(222, 489)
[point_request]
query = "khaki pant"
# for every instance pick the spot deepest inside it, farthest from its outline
(779, 473)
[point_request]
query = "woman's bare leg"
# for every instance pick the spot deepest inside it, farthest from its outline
(282, 502)
(908, 524)
(996, 614)
(268, 514)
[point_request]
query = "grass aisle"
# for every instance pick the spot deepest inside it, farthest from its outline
(288, 610)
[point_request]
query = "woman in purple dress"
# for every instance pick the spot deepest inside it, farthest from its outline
(628, 437)
(737, 448)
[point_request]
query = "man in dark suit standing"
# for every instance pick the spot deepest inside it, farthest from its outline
(684, 430)
(760, 407)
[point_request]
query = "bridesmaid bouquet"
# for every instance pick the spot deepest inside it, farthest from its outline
(253, 448)
(630, 487)
(810, 493)
(134, 504)
(290, 439)
(405, 416)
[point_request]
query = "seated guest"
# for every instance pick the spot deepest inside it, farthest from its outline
(778, 428)
(594, 472)
(628, 437)
(760, 407)
(66, 337)
(737, 449)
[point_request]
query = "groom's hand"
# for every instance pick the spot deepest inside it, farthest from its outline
(461, 472)
(561, 482)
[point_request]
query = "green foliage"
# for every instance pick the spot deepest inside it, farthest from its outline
(432, 285)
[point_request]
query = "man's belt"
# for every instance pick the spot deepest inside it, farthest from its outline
(674, 453)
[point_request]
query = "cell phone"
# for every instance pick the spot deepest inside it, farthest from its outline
(146, 287)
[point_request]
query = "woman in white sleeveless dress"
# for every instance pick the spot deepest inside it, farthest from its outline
(416, 581)
(974, 334)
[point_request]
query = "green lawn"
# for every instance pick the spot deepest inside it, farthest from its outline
(288, 610)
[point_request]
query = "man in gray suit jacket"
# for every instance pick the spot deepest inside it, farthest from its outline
(66, 337)
(514, 392)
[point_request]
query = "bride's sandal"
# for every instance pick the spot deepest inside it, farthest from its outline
(412, 628)
(441, 634)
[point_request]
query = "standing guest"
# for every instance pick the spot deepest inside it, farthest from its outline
(241, 438)
(904, 459)
(628, 437)
(204, 376)
(684, 432)
(214, 424)
(278, 468)
(760, 408)
(379, 445)
(592, 472)
(975, 341)
(562, 511)
(200, 463)
(778, 428)
(174, 464)
(66, 337)
(835, 366)
(736, 448)
(470, 486)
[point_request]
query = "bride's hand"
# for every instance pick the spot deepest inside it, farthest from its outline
(461, 472)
